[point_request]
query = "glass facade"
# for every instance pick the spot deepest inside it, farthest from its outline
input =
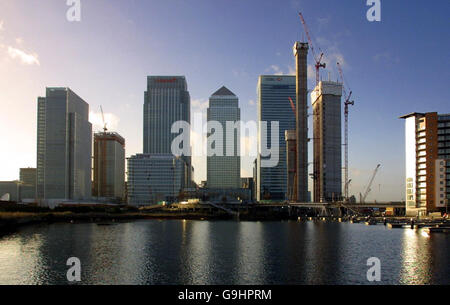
(274, 92)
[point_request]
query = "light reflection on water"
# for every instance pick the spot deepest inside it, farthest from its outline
(223, 252)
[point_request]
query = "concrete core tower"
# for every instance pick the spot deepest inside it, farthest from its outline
(300, 52)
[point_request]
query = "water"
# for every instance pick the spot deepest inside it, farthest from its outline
(223, 252)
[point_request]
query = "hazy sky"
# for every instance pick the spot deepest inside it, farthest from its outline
(395, 66)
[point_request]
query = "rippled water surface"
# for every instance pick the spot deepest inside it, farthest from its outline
(223, 252)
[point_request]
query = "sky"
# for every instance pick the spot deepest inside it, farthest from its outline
(396, 66)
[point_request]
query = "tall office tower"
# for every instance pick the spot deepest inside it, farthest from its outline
(274, 92)
(166, 102)
(28, 180)
(64, 146)
(427, 154)
(224, 169)
(301, 52)
(109, 165)
(153, 178)
(327, 129)
(291, 165)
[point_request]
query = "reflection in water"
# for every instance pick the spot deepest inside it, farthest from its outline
(223, 252)
(415, 258)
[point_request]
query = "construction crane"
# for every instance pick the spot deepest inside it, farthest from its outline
(103, 118)
(363, 197)
(347, 102)
(318, 60)
(292, 104)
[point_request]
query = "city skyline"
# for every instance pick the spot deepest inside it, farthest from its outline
(122, 97)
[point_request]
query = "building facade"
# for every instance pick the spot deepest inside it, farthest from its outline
(274, 92)
(224, 168)
(153, 178)
(291, 154)
(327, 134)
(427, 160)
(64, 146)
(109, 166)
(300, 50)
(28, 180)
(166, 101)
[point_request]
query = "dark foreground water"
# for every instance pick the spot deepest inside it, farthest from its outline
(223, 252)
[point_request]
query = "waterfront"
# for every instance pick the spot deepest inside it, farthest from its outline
(223, 252)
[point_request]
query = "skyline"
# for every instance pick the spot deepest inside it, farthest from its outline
(91, 47)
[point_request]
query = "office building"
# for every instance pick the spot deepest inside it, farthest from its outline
(153, 178)
(224, 168)
(427, 156)
(109, 166)
(166, 101)
(10, 191)
(274, 105)
(301, 53)
(64, 146)
(28, 183)
(327, 134)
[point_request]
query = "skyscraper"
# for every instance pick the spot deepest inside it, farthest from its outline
(166, 101)
(427, 156)
(274, 92)
(301, 52)
(224, 171)
(109, 165)
(327, 130)
(64, 146)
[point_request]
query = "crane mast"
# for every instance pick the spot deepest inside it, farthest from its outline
(347, 102)
(318, 60)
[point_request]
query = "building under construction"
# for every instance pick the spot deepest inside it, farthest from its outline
(109, 166)
(327, 173)
(300, 52)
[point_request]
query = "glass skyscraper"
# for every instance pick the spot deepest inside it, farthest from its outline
(158, 175)
(224, 170)
(64, 146)
(274, 92)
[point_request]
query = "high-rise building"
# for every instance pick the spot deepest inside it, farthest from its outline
(166, 101)
(166, 105)
(28, 180)
(109, 166)
(64, 146)
(274, 92)
(427, 156)
(327, 130)
(301, 53)
(224, 169)
(153, 178)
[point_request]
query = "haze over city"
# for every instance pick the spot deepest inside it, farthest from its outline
(106, 57)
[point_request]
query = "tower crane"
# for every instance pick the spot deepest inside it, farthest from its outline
(347, 102)
(363, 197)
(318, 60)
(103, 118)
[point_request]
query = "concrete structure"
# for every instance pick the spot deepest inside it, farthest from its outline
(109, 166)
(274, 92)
(427, 156)
(291, 165)
(223, 160)
(301, 52)
(153, 178)
(327, 130)
(64, 147)
(28, 179)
